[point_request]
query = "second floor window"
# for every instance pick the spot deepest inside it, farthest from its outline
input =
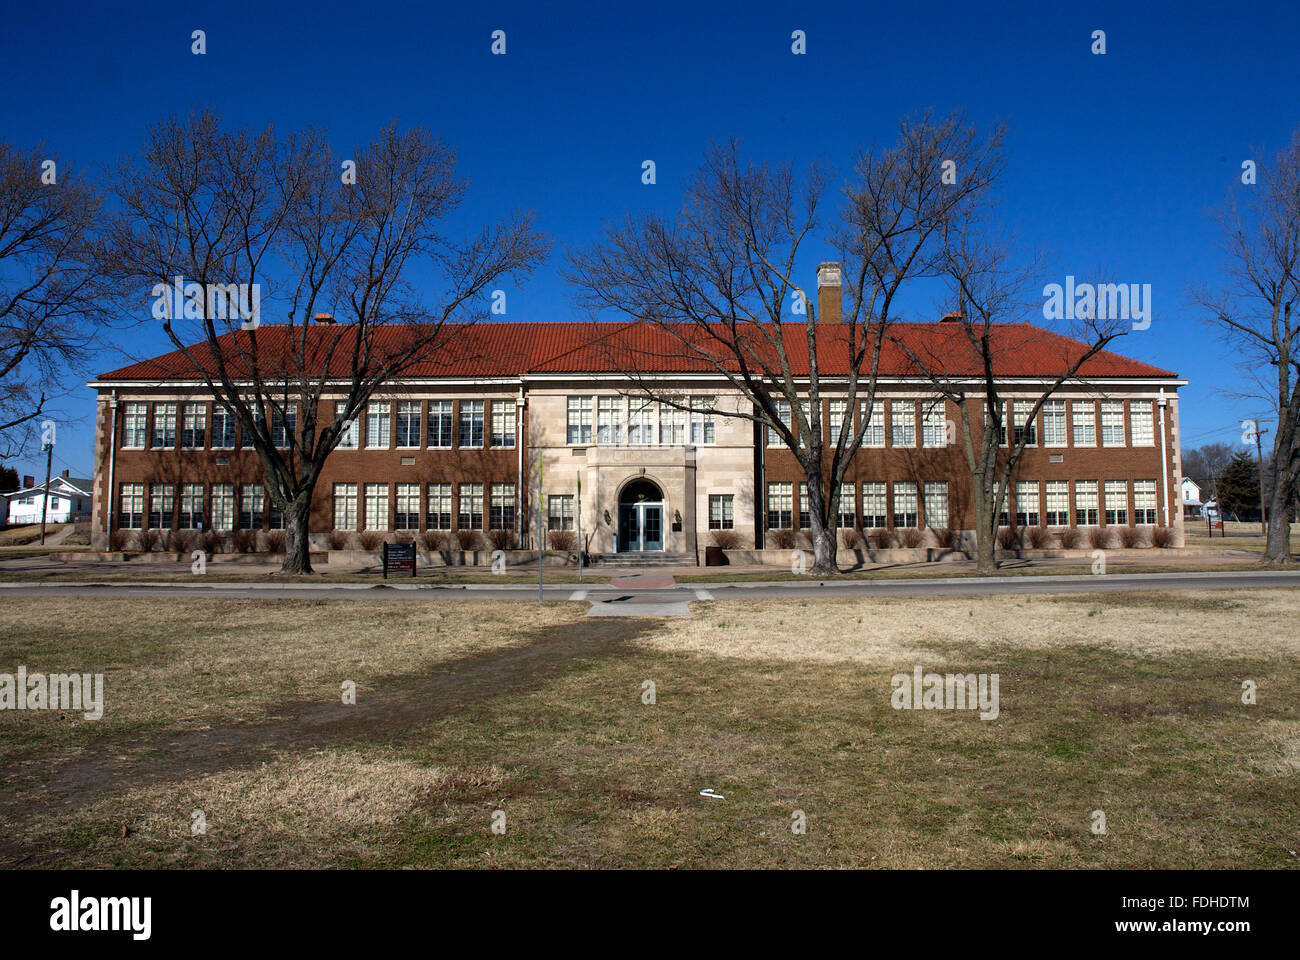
(933, 430)
(1084, 415)
(223, 428)
(503, 423)
(284, 426)
(672, 426)
(1022, 423)
(439, 422)
(471, 426)
(874, 434)
(349, 434)
(701, 420)
(408, 423)
(378, 426)
(578, 430)
(164, 425)
(194, 426)
(902, 423)
(1054, 423)
(1112, 423)
(1141, 424)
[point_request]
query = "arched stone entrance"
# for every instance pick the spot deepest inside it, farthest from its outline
(640, 517)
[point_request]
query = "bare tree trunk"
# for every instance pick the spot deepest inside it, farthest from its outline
(297, 542)
(1277, 548)
(824, 549)
(985, 532)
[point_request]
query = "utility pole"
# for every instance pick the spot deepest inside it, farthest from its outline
(1259, 462)
(538, 511)
(45, 501)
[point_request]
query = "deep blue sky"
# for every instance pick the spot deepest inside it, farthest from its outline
(1115, 160)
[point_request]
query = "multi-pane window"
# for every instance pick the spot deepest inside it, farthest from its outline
(471, 423)
(439, 422)
(780, 506)
(378, 425)
(846, 514)
(672, 426)
(559, 512)
(805, 515)
(194, 425)
(1004, 516)
(223, 506)
(1084, 415)
(131, 512)
(469, 515)
(438, 508)
(1141, 426)
(345, 506)
(905, 504)
(501, 507)
(1058, 502)
(350, 434)
(223, 428)
(1085, 502)
(1054, 423)
(936, 505)
(252, 505)
(579, 422)
(376, 506)
(134, 424)
(721, 511)
(191, 515)
(1022, 424)
(1144, 501)
(408, 423)
(782, 414)
(875, 509)
(1027, 503)
(274, 515)
(160, 506)
(701, 420)
(284, 426)
(874, 434)
(641, 422)
(933, 431)
(609, 421)
(1116, 502)
(164, 425)
(406, 512)
(836, 425)
(503, 423)
(1112, 423)
(902, 423)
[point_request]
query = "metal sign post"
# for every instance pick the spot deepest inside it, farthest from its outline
(580, 526)
(538, 511)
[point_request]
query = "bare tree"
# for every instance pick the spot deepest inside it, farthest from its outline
(246, 219)
(970, 356)
(50, 284)
(1256, 310)
(1204, 464)
(719, 279)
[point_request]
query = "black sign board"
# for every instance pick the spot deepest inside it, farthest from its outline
(399, 556)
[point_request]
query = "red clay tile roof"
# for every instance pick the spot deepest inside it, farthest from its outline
(515, 349)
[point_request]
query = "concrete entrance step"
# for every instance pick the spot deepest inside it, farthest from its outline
(645, 559)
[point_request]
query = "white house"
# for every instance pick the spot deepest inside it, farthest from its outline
(69, 500)
(1191, 498)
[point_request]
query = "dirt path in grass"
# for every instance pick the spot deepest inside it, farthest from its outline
(113, 764)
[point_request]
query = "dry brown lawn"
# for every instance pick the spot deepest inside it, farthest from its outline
(1126, 703)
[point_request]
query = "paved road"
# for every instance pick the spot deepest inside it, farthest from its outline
(671, 600)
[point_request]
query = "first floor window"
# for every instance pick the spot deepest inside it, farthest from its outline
(805, 515)
(1085, 502)
(438, 516)
(780, 506)
(134, 423)
(1027, 503)
(376, 506)
(194, 426)
(721, 515)
(875, 509)
(502, 507)
(905, 504)
(252, 504)
(345, 506)
(408, 423)
(559, 512)
(902, 423)
(1144, 501)
(846, 514)
(160, 506)
(131, 512)
(223, 506)
(1058, 503)
(1116, 502)
(579, 421)
(164, 425)
(503, 423)
(407, 514)
(191, 516)
(470, 513)
(936, 505)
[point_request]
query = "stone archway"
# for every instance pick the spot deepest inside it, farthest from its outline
(640, 517)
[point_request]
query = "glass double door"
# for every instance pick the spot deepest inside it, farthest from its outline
(640, 527)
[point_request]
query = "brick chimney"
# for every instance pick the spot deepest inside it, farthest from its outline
(830, 307)
(67, 474)
(28, 482)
